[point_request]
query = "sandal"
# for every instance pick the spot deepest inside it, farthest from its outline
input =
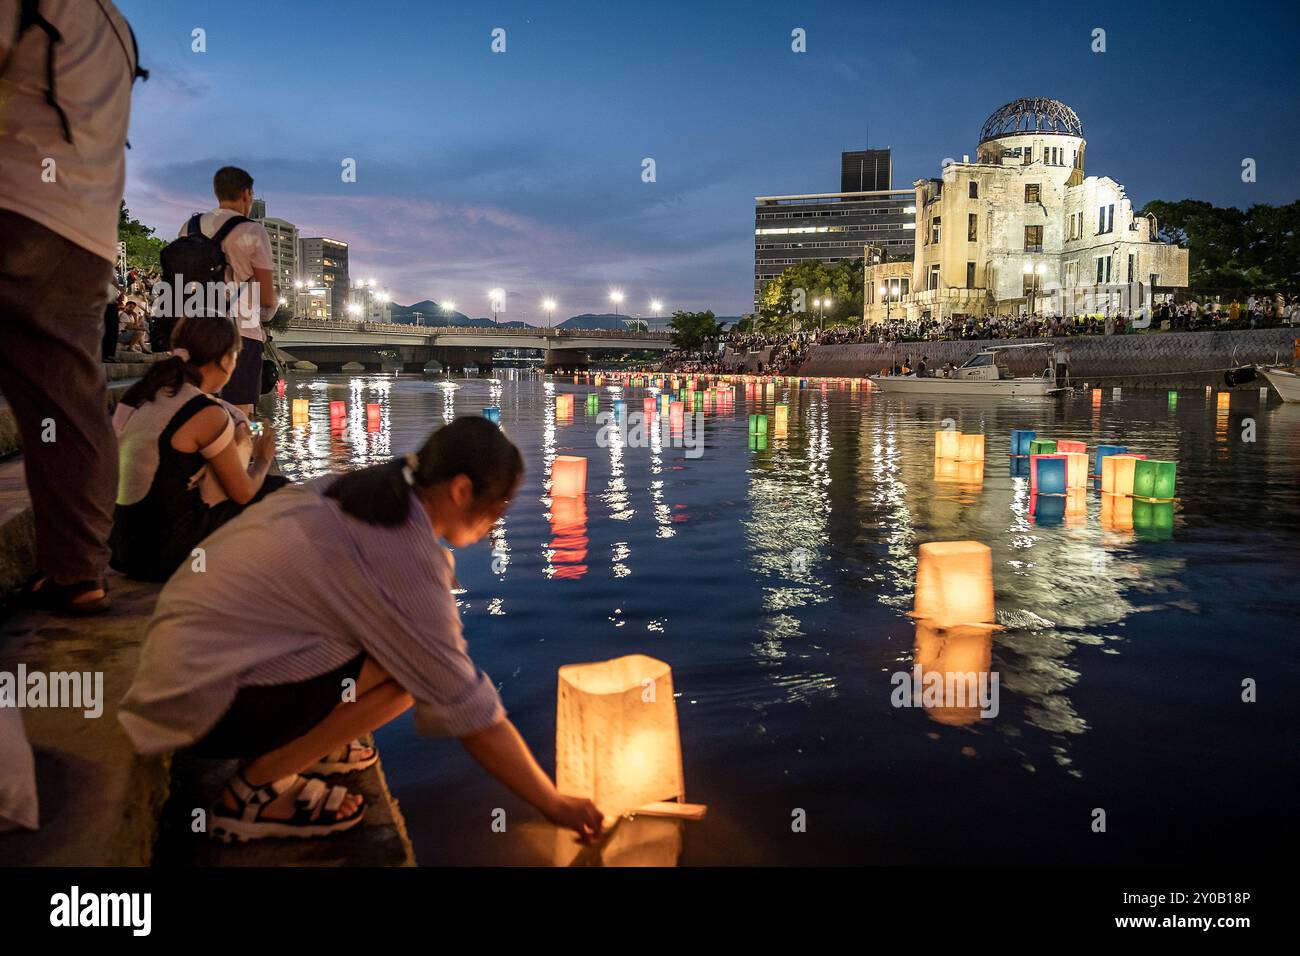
(43, 594)
(316, 811)
(353, 757)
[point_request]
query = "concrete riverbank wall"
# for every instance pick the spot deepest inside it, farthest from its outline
(1150, 360)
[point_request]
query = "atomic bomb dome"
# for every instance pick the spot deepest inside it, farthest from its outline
(1031, 115)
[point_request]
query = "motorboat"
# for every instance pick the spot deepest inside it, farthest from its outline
(984, 373)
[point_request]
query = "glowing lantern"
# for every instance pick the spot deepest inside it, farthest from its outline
(1154, 479)
(758, 424)
(568, 476)
(593, 403)
(947, 443)
(782, 416)
(300, 411)
(954, 584)
(492, 413)
(279, 387)
(1117, 473)
(616, 737)
(1042, 446)
(1225, 398)
(1076, 472)
(1020, 440)
(1096, 397)
(338, 414)
(676, 416)
(648, 407)
(1071, 446)
(564, 406)
(1104, 451)
(971, 448)
(620, 408)
(1048, 475)
(374, 418)
(1173, 399)
(1116, 392)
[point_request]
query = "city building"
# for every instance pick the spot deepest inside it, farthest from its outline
(834, 226)
(1024, 229)
(866, 170)
(370, 303)
(284, 247)
(323, 263)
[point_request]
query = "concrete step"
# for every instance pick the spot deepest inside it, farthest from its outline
(124, 376)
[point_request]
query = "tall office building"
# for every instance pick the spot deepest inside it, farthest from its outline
(866, 171)
(284, 247)
(323, 263)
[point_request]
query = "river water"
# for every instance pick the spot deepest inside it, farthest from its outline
(775, 581)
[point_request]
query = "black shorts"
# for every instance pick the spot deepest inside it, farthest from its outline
(245, 385)
(263, 719)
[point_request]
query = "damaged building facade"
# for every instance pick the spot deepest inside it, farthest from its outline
(1024, 229)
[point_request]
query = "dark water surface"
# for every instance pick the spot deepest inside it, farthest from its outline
(1120, 665)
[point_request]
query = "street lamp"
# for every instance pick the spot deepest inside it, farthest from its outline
(1036, 273)
(616, 296)
(497, 298)
(548, 306)
(656, 307)
(884, 294)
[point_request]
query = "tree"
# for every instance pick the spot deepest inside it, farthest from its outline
(142, 247)
(804, 283)
(1233, 250)
(691, 331)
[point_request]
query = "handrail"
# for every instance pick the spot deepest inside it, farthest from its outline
(396, 327)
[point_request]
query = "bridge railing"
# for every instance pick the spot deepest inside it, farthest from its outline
(348, 325)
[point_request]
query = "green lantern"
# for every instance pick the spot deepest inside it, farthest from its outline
(758, 424)
(593, 403)
(1154, 479)
(1042, 446)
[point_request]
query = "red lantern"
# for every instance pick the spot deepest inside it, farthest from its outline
(374, 417)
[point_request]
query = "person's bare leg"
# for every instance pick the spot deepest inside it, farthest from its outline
(379, 700)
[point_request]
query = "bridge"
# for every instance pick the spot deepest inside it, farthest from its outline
(330, 343)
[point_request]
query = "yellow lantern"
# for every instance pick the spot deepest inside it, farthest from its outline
(1076, 471)
(947, 443)
(954, 584)
(1117, 473)
(300, 411)
(971, 448)
(564, 406)
(616, 737)
(568, 476)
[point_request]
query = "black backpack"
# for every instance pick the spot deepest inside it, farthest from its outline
(196, 258)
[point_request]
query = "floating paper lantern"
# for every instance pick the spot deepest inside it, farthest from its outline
(374, 417)
(782, 415)
(1076, 472)
(1034, 462)
(1062, 447)
(648, 407)
(1096, 397)
(758, 424)
(1052, 477)
(300, 411)
(1116, 392)
(492, 413)
(1173, 399)
(568, 476)
(971, 448)
(616, 736)
(947, 443)
(954, 584)
(1042, 446)
(279, 388)
(593, 403)
(564, 406)
(338, 414)
(1117, 473)
(1224, 400)
(1154, 479)
(676, 416)
(1104, 451)
(1020, 439)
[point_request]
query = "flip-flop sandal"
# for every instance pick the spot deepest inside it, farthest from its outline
(45, 595)
(316, 810)
(355, 756)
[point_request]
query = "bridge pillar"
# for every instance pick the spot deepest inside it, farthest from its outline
(566, 358)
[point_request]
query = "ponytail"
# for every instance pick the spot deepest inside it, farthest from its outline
(469, 446)
(196, 341)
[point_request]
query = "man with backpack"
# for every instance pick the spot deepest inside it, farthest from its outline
(66, 71)
(225, 246)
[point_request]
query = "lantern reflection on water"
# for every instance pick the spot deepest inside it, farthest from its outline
(963, 658)
(1117, 512)
(616, 736)
(1153, 520)
(568, 476)
(338, 414)
(954, 584)
(568, 547)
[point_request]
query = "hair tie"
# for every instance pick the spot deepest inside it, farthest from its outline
(411, 463)
(182, 354)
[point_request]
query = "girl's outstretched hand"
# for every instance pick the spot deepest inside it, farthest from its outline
(578, 814)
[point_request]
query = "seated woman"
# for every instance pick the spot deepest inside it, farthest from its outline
(325, 613)
(187, 463)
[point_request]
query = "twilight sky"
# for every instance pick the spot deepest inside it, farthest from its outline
(523, 169)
